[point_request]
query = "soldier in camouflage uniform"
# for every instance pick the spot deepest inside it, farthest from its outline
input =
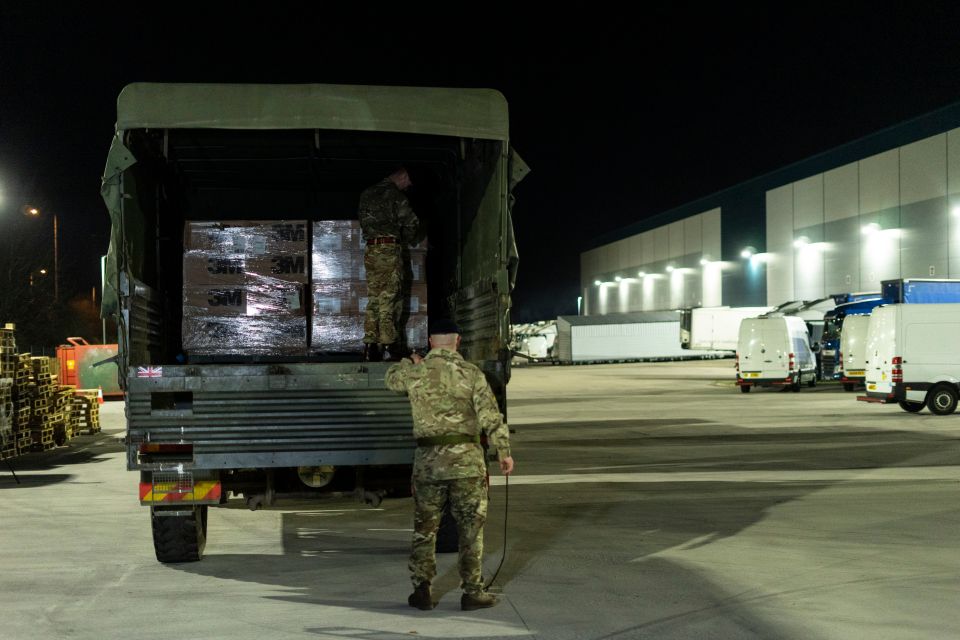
(387, 222)
(452, 405)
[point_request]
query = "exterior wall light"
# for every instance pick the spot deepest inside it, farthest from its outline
(669, 268)
(748, 252)
(801, 242)
(642, 274)
(870, 229)
(618, 278)
(597, 283)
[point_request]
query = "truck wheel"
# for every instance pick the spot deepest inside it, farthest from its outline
(912, 407)
(179, 538)
(744, 388)
(448, 539)
(795, 387)
(942, 400)
(813, 382)
(848, 386)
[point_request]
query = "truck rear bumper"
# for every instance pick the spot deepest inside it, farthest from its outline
(765, 382)
(262, 416)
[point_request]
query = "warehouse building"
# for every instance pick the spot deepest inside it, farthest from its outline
(885, 206)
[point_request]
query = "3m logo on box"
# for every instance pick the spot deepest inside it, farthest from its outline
(289, 264)
(228, 266)
(290, 232)
(225, 297)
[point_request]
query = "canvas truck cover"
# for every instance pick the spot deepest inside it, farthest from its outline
(466, 113)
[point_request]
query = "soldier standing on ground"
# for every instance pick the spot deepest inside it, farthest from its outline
(387, 221)
(452, 405)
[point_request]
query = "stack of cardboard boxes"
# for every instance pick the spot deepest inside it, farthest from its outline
(248, 288)
(243, 288)
(339, 289)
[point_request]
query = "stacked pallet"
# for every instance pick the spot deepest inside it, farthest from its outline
(86, 411)
(8, 445)
(23, 401)
(64, 427)
(44, 392)
(8, 368)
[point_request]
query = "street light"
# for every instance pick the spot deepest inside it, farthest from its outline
(34, 212)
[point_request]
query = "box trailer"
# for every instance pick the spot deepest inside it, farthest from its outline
(714, 328)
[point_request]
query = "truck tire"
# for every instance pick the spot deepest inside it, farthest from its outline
(744, 388)
(448, 539)
(812, 382)
(795, 387)
(848, 386)
(911, 407)
(179, 538)
(942, 400)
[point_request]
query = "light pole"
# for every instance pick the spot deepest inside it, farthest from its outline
(34, 212)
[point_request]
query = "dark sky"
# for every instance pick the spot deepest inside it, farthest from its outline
(620, 117)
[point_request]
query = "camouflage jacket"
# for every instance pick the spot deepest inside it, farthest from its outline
(449, 396)
(385, 211)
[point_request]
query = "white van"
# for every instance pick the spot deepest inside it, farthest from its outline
(913, 356)
(853, 350)
(774, 351)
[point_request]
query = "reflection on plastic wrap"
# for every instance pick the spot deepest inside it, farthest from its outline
(338, 265)
(246, 335)
(337, 333)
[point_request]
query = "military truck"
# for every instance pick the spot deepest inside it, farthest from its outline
(260, 427)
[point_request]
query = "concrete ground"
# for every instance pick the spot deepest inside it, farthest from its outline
(649, 501)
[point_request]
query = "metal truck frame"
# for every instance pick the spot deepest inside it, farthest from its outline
(199, 430)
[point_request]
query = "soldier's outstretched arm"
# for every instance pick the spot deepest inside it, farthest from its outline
(397, 374)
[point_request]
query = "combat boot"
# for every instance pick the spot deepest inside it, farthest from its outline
(421, 598)
(474, 601)
(371, 352)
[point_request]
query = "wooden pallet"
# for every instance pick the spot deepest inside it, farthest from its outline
(24, 442)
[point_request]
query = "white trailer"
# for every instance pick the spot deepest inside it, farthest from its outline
(620, 337)
(714, 328)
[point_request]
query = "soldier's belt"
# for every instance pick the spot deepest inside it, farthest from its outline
(382, 240)
(437, 441)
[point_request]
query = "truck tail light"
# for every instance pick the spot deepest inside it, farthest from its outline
(840, 360)
(896, 374)
(792, 363)
(736, 362)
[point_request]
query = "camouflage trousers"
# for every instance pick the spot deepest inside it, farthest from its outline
(384, 297)
(468, 503)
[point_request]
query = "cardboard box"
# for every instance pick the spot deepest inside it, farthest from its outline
(337, 235)
(206, 267)
(240, 300)
(247, 237)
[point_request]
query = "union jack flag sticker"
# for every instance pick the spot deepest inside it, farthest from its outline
(149, 372)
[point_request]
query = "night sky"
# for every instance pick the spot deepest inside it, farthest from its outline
(619, 117)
